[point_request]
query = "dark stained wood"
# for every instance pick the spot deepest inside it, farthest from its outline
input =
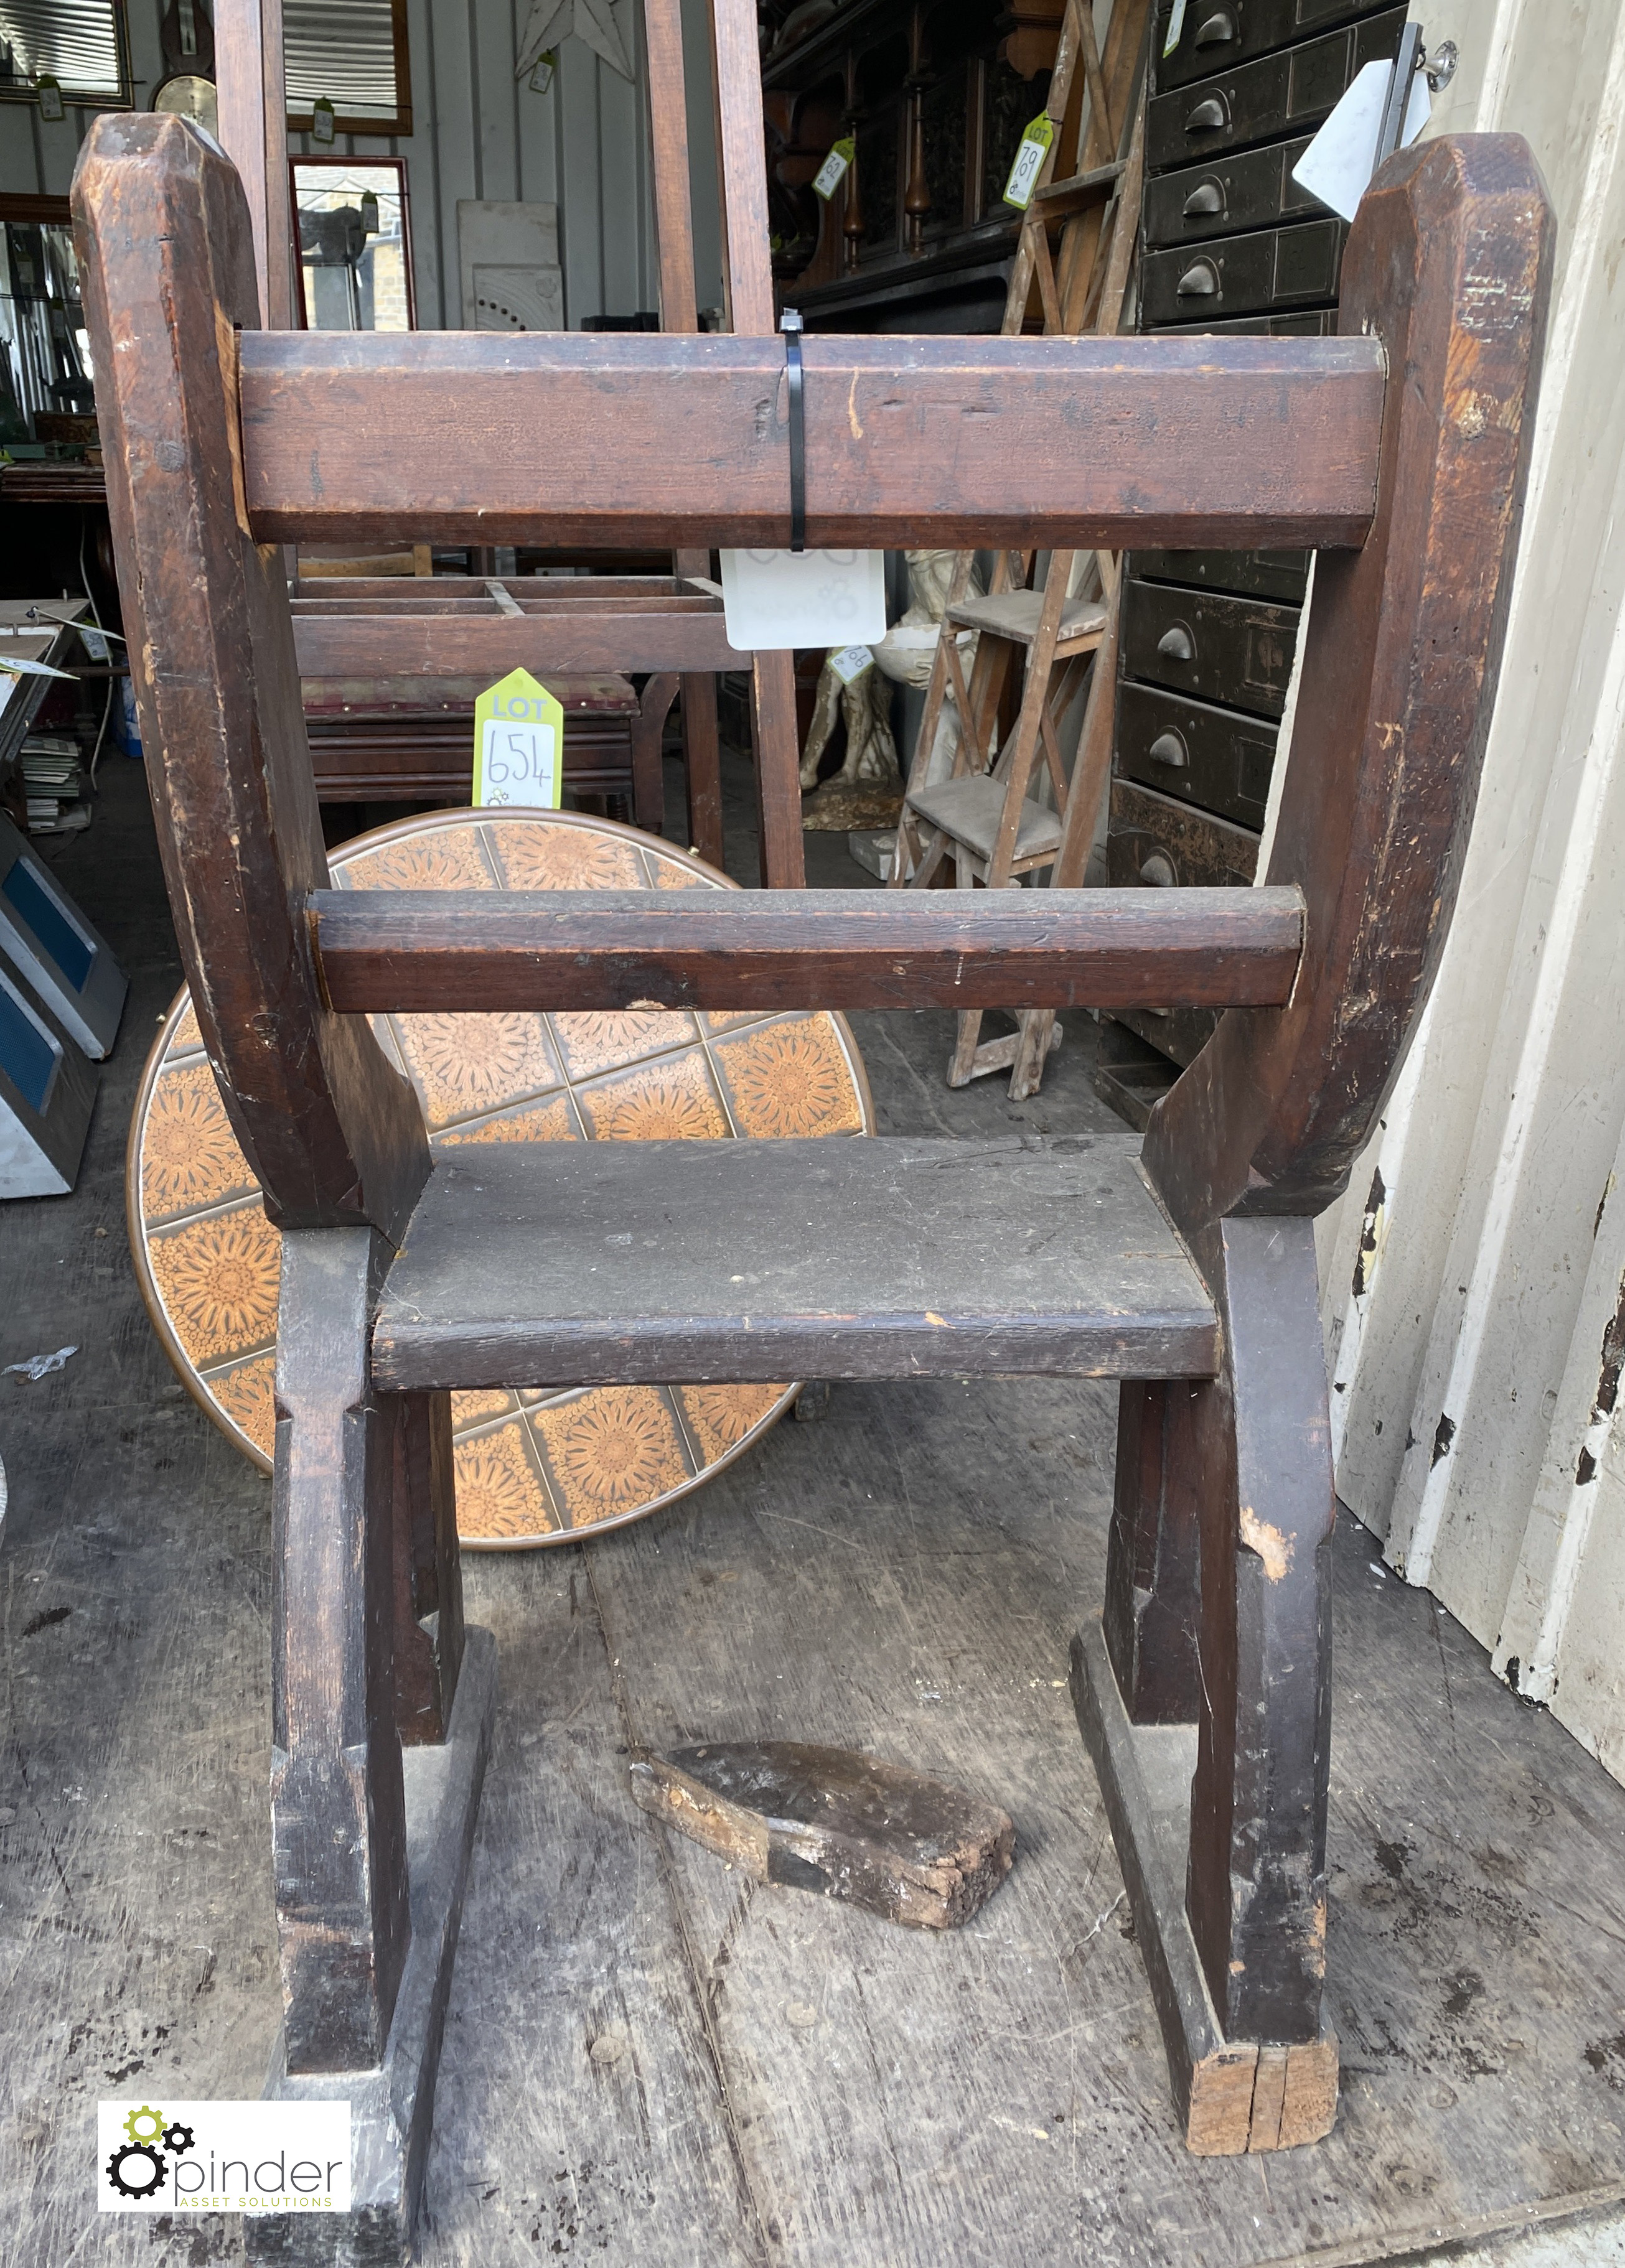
(1232, 2098)
(789, 1259)
(1448, 266)
(571, 640)
(746, 259)
(842, 948)
(1153, 1591)
(647, 738)
(627, 438)
(776, 742)
(703, 763)
(251, 82)
(332, 1131)
(668, 141)
(338, 1816)
(902, 1844)
(428, 1573)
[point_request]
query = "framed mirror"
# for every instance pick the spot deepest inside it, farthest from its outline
(350, 53)
(45, 396)
(355, 266)
(82, 44)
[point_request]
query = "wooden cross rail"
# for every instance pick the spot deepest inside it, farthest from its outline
(594, 949)
(573, 640)
(642, 439)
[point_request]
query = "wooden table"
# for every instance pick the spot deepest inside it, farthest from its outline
(533, 1467)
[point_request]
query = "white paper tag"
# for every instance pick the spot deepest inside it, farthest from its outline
(832, 173)
(519, 764)
(1175, 25)
(93, 643)
(1339, 163)
(772, 600)
(849, 662)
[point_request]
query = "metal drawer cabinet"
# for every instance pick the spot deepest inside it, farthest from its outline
(1280, 94)
(1254, 189)
(1254, 574)
(1243, 275)
(1218, 32)
(1153, 842)
(1211, 757)
(1318, 324)
(1235, 650)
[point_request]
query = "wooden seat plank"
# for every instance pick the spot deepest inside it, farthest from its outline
(644, 1261)
(613, 438)
(969, 811)
(580, 949)
(1015, 615)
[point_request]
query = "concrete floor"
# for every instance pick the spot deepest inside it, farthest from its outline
(646, 2061)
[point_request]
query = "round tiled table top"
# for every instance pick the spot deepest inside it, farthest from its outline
(537, 1466)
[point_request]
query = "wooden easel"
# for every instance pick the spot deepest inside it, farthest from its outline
(981, 820)
(253, 131)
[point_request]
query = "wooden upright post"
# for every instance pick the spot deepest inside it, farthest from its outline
(748, 265)
(251, 82)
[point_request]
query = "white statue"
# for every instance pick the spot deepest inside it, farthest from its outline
(904, 656)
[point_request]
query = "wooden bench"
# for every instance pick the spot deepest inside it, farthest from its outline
(1185, 1268)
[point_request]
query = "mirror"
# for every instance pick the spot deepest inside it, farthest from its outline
(46, 395)
(81, 44)
(350, 53)
(355, 265)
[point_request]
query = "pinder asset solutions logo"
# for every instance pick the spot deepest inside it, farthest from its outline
(223, 2157)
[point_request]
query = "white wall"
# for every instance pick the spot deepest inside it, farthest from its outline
(479, 133)
(1473, 1410)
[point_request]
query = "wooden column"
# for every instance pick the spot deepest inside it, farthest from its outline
(338, 1805)
(251, 81)
(748, 269)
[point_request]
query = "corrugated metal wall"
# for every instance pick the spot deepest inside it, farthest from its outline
(1474, 1278)
(583, 145)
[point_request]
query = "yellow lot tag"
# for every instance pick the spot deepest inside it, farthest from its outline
(1030, 151)
(519, 743)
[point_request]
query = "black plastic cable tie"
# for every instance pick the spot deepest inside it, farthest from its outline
(790, 324)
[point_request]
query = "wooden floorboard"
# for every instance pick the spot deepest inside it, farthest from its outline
(777, 2079)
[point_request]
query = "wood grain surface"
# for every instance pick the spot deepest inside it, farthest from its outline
(789, 1259)
(623, 437)
(666, 2058)
(563, 640)
(853, 948)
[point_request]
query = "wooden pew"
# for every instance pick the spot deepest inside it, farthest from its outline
(1185, 1269)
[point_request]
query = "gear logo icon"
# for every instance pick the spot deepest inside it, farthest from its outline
(136, 2170)
(144, 2125)
(179, 2138)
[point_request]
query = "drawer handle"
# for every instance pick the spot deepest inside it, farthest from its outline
(1219, 31)
(1200, 281)
(1205, 197)
(1177, 643)
(1168, 749)
(1157, 873)
(1208, 115)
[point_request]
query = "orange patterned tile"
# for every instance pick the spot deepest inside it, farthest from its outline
(218, 1278)
(552, 1120)
(610, 1449)
(672, 1100)
(540, 856)
(189, 1155)
(729, 1019)
(246, 1393)
(464, 1065)
(188, 1036)
(473, 1409)
(500, 1492)
(720, 1416)
(441, 859)
(595, 1043)
(672, 875)
(790, 1079)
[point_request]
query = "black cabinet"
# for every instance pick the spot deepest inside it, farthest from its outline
(1279, 95)
(1231, 649)
(1216, 33)
(1242, 274)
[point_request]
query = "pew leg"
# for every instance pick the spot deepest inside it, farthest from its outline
(703, 767)
(370, 1847)
(1204, 1697)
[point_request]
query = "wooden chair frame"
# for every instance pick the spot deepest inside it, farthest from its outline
(1399, 449)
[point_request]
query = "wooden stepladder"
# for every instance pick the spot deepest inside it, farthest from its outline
(982, 821)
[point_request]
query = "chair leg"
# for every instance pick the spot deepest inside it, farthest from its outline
(1213, 1756)
(428, 1572)
(338, 1811)
(703, 766)
(648, 734)
(371, 1844)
